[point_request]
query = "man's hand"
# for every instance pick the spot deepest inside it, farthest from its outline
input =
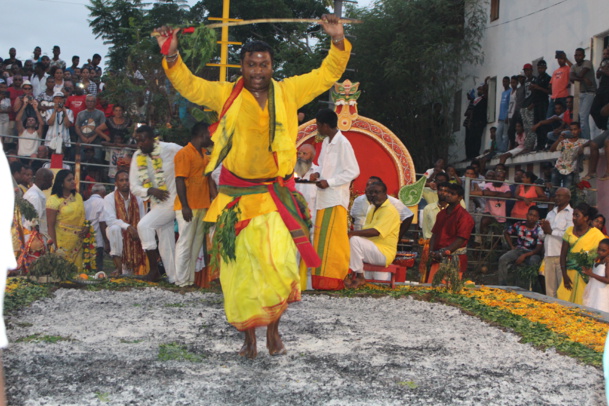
(187, 213)
(133, 233)
(332, 27)
(322, 184)
(567, 282)
(163, 36)
(521, 259)
(313, 177)
(161, 195)
(545, 226)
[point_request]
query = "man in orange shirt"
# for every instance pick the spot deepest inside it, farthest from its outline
(192, 203)
(559, 84)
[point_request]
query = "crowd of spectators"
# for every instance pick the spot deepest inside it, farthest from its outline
(533, 215)
(48, 106)
(536, 114)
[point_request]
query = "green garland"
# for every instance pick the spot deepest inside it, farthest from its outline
(580, 260)
(223, 242)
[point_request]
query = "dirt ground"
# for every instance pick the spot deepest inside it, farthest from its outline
(157, 347)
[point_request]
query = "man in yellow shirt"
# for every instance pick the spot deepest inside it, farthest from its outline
(192, 203)
(260, 217)
(376, 243)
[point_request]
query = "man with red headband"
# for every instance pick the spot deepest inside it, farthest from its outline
(260, 218)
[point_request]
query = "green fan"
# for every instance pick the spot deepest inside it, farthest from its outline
(411, 194)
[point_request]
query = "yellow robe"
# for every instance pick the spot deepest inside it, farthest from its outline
(587, 242)
(264, 277)
(68, 225)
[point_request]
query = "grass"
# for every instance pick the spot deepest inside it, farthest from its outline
(177, 352)
(38, 338)
(123, 341)
(103, 396)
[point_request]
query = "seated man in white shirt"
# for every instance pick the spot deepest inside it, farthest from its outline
(122, 212)
(42, 181)
(377, 242)
(360, 207)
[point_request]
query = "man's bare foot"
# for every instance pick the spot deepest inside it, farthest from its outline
(348, 282)
(152, 276)
(604, 177)
(359, 280)
(249, 349)
(273, 339)
(590, 175)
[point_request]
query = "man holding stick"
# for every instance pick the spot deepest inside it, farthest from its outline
(261, 219)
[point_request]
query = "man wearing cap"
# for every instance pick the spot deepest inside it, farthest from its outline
(559, 84)
(28, 95)
(59, 119)
(583, 73)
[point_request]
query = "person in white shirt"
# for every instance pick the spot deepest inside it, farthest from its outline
(360, 206)
(554, 226)
(39, 79)
(94, 208)
(59, 119)
(122, 213)
(306, 170)
(43, 180)
(338, 169)
(152, 176)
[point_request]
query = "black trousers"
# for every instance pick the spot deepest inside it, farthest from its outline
(599, 101)
(473, 141)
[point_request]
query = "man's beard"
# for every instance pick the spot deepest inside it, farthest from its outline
(302, 166)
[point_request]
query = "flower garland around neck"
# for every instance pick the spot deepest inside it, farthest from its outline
(157, 167)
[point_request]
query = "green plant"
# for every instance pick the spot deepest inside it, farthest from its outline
(26, 208)
(53, 265)
(103, 396)
(177, 352)
(26, 293)
(528, 273)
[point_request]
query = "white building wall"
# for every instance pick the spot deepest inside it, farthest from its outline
(526, 31)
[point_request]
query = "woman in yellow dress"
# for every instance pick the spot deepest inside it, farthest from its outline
(66, 218)
(580, 237)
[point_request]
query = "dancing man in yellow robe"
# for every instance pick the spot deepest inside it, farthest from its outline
(255, 141)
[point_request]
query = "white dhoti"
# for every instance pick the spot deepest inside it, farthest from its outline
(160, 220)
(115, 237)
(188, 246)
(364, 250)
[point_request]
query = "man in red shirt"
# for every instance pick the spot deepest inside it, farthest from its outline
(76, 103)
(451, 231)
